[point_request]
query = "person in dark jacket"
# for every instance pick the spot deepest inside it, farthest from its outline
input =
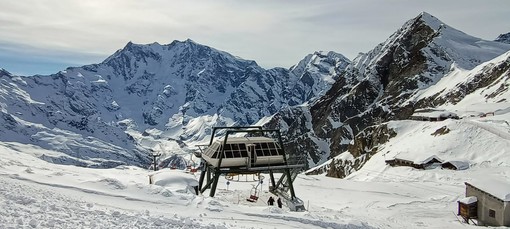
(279, 202)
(270, 201)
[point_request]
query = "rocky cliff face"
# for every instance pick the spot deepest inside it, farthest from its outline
(386, 83)
(364, 146)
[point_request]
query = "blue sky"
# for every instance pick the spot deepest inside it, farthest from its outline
(46, 36)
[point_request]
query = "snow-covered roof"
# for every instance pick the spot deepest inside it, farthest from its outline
(246, 140)
(498, 188)
(460, 165)
(434, 114)
(173, 178)
(426, 160)
(468, 200)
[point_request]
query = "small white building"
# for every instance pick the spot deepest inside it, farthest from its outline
(492, 201)
(433, 115)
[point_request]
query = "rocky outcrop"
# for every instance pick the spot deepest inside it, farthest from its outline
(364, 146)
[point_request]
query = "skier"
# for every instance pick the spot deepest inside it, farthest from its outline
(270, 201)
(279, 202)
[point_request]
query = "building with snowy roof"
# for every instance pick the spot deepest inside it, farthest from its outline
(491, 199)
(455, 165)
(420, 163)
(433, 115)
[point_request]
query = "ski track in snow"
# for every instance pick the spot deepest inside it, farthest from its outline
(27, 206)
(69, 187)
(488, 127)
(28, 203)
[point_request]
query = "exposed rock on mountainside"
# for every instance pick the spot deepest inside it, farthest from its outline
(364, 146)
(387, 83)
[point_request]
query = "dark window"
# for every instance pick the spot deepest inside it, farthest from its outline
(267, 152)
(492, 213)
(228, 154)
(237, 154)
(235, 147)
(244, 153)
(274, 152)
(263, 145)
(228, 147)
(242, 146)
(215, 155)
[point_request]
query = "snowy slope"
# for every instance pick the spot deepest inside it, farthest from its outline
(38, 194)
(35, 193)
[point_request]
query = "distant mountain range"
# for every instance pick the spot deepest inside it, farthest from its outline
(146, 95)
(166, 98)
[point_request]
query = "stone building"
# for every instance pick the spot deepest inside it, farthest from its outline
(492, 201)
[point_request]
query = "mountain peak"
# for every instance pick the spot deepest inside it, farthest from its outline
(190, 41)
(430, 20)
(130, 45)
(4, 72)
(504, 38)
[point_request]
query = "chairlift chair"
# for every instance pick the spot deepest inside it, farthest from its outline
(253, 194)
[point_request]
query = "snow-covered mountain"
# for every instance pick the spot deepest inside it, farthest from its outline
(390, 82)
(348, 118)
(148, 95)
(505, 38)
(166, 97)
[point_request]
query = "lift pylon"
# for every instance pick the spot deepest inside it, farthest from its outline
(257, 155)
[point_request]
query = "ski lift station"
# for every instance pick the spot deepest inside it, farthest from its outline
(244, 151)
(258, 151)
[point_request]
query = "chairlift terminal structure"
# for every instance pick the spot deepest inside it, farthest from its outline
(244, 151)
(261, 150)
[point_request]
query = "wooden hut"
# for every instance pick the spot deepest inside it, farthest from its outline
(430, 162)
(455, 165)
(399, 162)
(468, 208)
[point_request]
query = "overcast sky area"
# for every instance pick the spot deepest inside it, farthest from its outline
(46, 36)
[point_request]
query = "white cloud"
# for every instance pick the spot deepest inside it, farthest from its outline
(274, 33)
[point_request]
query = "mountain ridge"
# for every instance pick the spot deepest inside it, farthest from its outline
(143, 95)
